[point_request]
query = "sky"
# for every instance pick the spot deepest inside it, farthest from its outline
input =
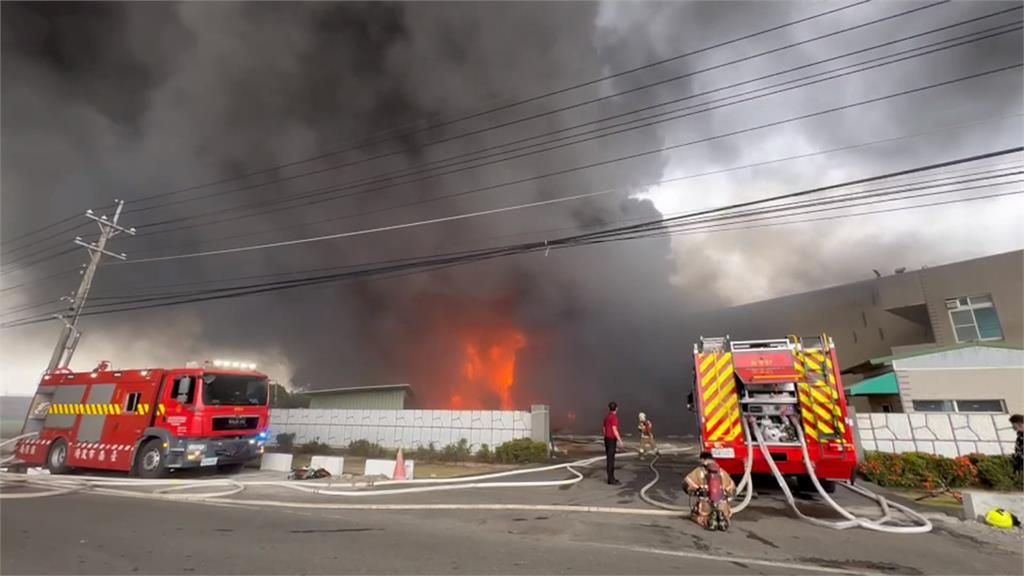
(127, 100)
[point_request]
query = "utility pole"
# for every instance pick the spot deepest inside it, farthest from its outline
(70, 335)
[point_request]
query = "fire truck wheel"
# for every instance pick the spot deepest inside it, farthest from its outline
(57, 458)
(829, 486)
(230, 468)
(149, 461)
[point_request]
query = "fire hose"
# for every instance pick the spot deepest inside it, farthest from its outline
(746, 488)
(170, 488)
(851, 521)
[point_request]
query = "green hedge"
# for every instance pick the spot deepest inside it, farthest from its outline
(933, 472)
(521, 451)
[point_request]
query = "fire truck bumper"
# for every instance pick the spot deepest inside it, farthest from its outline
(197, 452)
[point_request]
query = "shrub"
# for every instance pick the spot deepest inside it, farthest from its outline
(521, 451)
(484, 453)
(425, 454)
(368, 449)
(314, 446)
(457, 452)
(285, 440)
(932, 472)
(996, 472)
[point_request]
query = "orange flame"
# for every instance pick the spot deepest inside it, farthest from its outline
(488, 370)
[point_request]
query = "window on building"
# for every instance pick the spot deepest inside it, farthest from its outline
(933, 405)
(983, 406)
(974, 318)
(980, 406)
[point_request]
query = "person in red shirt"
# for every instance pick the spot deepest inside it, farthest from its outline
(612, 440)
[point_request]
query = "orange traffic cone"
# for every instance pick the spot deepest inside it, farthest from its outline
(399, 473)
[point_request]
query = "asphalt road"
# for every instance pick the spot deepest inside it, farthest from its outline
(94, 534)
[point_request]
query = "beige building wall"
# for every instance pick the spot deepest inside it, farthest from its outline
(871, 318)
(1005, 384)
(1001, 276)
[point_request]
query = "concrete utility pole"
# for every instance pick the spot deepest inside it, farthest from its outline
(69, 335)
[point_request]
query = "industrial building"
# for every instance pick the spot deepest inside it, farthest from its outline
(956, 327)
(389, 397)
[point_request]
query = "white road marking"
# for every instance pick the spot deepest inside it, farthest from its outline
(740, 559)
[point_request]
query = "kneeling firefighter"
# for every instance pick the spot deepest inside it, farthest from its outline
(713, 487)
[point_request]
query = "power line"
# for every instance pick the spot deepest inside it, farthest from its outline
(673, 147)
(446, 162)
(856, 196)
(372, 142)
(435, 264)
(364, 143)
(624, 232)
(554, 111)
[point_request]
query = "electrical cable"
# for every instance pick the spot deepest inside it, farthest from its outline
(440, 164)
(421, 146)
(478, 114)
(578, 239)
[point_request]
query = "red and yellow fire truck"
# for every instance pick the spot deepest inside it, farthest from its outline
(776, 385)
(147, 421)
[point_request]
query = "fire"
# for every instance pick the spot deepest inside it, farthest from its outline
(488, 370)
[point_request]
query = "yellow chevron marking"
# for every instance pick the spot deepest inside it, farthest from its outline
(724, 375)
(708, 359)
(723, 361)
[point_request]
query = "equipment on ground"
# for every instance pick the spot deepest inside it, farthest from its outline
(780, 385)
(999, 518)
(147, 421)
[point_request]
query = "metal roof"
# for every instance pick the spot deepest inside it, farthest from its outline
(937, 350)
(882, 384)
(383, 388)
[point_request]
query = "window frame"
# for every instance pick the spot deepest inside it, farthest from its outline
(967, 304)
(129, 408)
(954, 406)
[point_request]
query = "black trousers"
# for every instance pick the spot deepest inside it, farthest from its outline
(609, 453)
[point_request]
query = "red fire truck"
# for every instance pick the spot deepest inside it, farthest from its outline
(147, 421)
(779, 385)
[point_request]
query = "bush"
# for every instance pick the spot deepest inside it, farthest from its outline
(996, 472)
(368, 449)
(933, 472)
(484, 454)
(285, 440)
(425, 454)
(457, 452)
(314, 446)
(521, 451)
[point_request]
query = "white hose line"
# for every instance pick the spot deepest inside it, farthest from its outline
(746, 482)
(174, 485)
(785, 488)
(852, 521)
(872, 524)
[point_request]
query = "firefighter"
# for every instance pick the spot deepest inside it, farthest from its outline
(646, 428)
(713, 487)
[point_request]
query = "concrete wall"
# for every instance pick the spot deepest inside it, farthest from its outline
(1005, 384)
(936, 433)
(368, 400)
(402, 428)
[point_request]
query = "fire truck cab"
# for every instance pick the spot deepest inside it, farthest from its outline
(776, 385)
(147, 422)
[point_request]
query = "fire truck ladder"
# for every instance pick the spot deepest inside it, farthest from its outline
(819, 399)
(719, 399)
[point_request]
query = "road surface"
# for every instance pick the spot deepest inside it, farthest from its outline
(96, 534)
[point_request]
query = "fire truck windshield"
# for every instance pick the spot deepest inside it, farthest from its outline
(233, 390)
